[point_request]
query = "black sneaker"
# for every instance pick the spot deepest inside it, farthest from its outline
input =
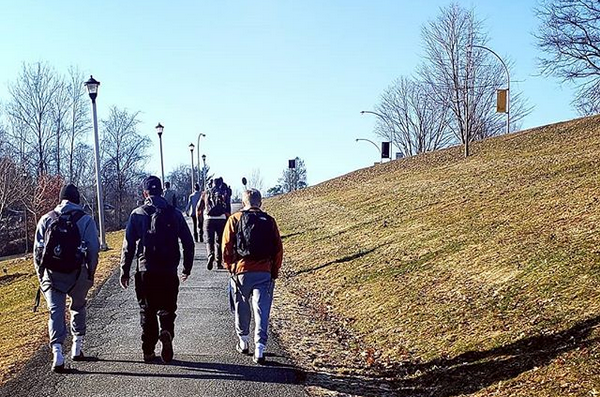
(80, 357)
(166, 352)
(148, 358)
(209, 265)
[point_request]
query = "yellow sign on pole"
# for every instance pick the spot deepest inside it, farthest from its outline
(501, 100)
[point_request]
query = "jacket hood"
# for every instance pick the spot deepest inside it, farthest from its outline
(157, 201)
(67, 206)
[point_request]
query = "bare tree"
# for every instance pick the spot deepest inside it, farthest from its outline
(293, 178)
(78, 124)
(255, 180)
(15, 189)
(124, 154)
(81, 165)
(464, 78)
(569, 37)
(60, 108)
(413, 118)
(5, 148)
(181, 183)
(30, 110)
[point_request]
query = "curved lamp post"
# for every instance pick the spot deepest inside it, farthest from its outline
(92, 87)
(372, 143)
(159, 131)
(390, 126)
(191, 146)
(507, 84)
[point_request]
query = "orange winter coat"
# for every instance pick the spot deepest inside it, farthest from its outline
(234, 263)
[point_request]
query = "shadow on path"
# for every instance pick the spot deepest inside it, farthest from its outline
(271, 372)
(466, 373)
(463, 374)
(347, 258)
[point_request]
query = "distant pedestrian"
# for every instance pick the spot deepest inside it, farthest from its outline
(65, 260)
(190, 210)
(217, 207)
(252, 252)
(169, 195)
(152, 237)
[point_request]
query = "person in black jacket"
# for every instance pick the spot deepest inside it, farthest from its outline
(152, 236)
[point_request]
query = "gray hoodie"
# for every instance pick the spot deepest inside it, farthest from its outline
(89, 235)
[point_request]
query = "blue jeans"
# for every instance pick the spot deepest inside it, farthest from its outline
(253, 294)
(57, 304)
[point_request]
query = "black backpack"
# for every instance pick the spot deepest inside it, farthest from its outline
(161, 242)
(254, 235)
(63, 250)
(216, 201)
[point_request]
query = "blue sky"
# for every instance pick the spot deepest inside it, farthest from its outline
(264, 80)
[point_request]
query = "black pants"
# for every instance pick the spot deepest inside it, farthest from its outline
(213, 234)
(157, 296)
(195, 223)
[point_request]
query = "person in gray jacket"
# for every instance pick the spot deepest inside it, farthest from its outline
(152, 237)
(57, 285)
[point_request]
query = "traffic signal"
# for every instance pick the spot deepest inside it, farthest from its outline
(292, 163)
(385, 150)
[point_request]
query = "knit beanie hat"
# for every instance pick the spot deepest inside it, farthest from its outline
(69, 192)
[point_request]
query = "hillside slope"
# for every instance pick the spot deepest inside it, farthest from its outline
(486, 268)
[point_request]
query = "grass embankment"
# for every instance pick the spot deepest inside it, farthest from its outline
(450, 275)
(22, 332)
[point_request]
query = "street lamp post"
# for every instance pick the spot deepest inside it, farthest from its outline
(198, 157)
(390, 126)
(372, 143)
(192, 155)
(159, 131)
(203, 171)
(507, 84)
(92, 87)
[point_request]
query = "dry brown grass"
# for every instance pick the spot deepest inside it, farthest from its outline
(454, 276)
(22, 332)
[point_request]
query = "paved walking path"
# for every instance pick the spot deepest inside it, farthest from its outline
(205, 361)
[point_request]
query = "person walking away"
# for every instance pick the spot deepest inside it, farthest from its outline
(169, 195)
(200, 214)
(217, 207)
(65, 259)
(190, 210)
(252, 252)
(152, 237)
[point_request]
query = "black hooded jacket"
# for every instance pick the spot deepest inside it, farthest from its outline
(133, 244)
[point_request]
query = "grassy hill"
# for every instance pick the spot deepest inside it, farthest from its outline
(452, 276)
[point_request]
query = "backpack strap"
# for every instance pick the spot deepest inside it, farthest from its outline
(53, 215)
(76, 215)
(148, 209)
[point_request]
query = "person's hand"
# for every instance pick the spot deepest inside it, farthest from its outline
(184, 277)
(124, 281)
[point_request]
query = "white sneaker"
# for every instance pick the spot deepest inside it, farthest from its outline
(58, 360)
(259, 351)
(243, 345)
(76, 353)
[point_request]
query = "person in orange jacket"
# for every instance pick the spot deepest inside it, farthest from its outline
(253, 253)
